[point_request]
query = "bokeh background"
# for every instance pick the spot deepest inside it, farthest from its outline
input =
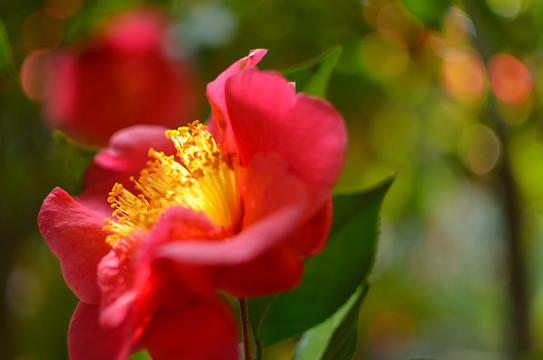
(451, 104)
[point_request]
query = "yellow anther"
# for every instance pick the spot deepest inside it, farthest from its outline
(202, 180)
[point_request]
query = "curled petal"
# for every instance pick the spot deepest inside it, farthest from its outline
(127, 153)
(275, 204)
(184, 226)
(74, 234)
(266, 116)
(246, 246)
(216, 94)
(269, 186)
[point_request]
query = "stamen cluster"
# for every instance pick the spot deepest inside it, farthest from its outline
(198, 177)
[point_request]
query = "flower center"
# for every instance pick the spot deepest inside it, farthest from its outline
(202, 180)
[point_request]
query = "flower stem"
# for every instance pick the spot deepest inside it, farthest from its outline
(244, 310)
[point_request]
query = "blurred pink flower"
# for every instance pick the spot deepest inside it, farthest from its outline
(121, 77)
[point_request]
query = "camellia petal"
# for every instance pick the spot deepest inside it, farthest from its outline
(204, 330)
(310, 238)
(216, 95)
(126, 155)
(87, 339)
(266, 116)
(244, 247)
(262, 276)
(74, 234)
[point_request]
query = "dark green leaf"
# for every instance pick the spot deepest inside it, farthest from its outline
(312, 76)
(7, 69)
(331, 277)
(430, 12)
(335, 338)
(76, 156)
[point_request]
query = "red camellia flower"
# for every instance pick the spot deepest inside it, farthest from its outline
(122, 77)
(235, 206)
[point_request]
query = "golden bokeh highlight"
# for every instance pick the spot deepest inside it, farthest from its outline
(479, 149)
(463, 75)
(507, 8)
(32, 74)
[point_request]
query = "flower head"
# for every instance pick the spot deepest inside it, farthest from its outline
(234, 206)
(122, 76)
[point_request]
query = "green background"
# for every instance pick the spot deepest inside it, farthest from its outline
(413, 84)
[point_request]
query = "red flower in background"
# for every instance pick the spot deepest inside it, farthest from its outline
(122, 77)
(238, 210)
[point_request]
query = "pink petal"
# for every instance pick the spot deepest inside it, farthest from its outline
(87, 339)
(126, 155)
(246, 246)
(182, 225)
(266, 116)
(75, 236)
(204, 330)
(310, 238)
(269, 186)
(115, 278)
(60, 89)
(216, 93)
(136, 31)
(275, 205)
(133, 280)
(277, 270)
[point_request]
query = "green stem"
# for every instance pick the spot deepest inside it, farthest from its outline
(244, 310)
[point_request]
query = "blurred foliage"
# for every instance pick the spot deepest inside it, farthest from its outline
(6, 60)
(420, 101)
(312, 77)
(76, 158)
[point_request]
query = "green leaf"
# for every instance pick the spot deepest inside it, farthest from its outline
(331, 277)
(142, 355)
(77, 158)
(7, 69)
(335, 338)
(430, 12)
(312, 76)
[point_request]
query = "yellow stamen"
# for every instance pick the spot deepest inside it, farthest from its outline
(203, 180)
